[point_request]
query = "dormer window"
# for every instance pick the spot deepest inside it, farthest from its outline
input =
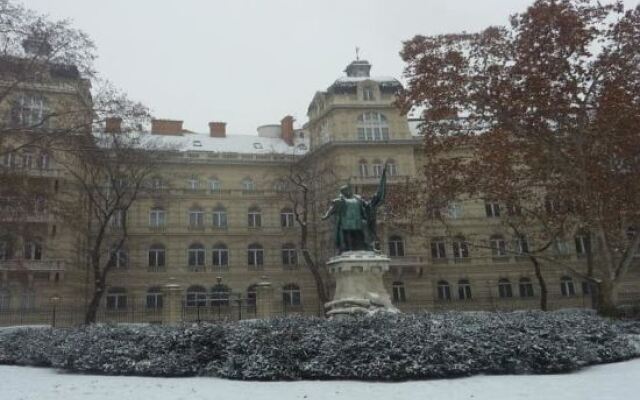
(257, 146)
(368, 94)
(197, 143)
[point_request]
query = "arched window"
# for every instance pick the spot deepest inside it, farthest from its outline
(196, 296)
(254, 217)
(526, 287)
(154, 298)
(291, 295)
(255, 255)
(464, 289)
(119, 257)
(248, 185)
(444, 290)
(396, 246)
(392, 168)
(196, 255)
(196, 217)
(214, 184)
(399, 295)
(220, 295)
(289, 255)
(252, 295)
(372, 126)
(504, 288)
(33, 249)
(220, 255)
(116, 298)
(376, 168)
(286, 218)
(460, 248)
(363, 168)
(368, 93)
(157, 256)
(5, 299)
(498, 246)
(583, 244)
(220, 217)
(567, 288)
(30, 111)
(522, 245)
(157, 217)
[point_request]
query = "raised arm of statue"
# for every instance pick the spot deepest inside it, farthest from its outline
(331, 210)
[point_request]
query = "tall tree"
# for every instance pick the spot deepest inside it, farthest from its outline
(541, 114)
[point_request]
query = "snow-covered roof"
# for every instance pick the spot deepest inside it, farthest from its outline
(414, 126)
(347, 79)
(246, 144)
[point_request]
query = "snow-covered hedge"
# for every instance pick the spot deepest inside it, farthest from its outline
(381, 347)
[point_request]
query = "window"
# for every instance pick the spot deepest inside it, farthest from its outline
(514, 209)
(10, 158)
(498, 246)
(560, 247)
(492, 209)
(583, 244)
(118, 218)
(522, 245)
(289, 255)
(220, 255)
(291, 295)
(504, 289)
(154, 298)
(116, 298)
(215, 185)
(454, 209)
(197, 143)
(40, 205)
(195, 256)
(252, 295)
(27, 160)
(255, 255)
(220, 295)
(392, 168)
(460, 248)
(27, 299)
(368, 94)
(248, 185)
(5, 299)
(254, 218)
(157, 256)
(567, 289)
(286, 218)
(377, 168)
(257, 146)
(438, 249)
(196, 218)
(156, 183)
(30, 111)
(193, 183)
(526, 287)
(399, 295)
(372, 126)
(363, 168)
(586, 288)
(219, 217)
(156, 217)
(118, 258)
(444, 290)
(196, 296)
(6, 249)
(464, 289)
(33, 249)
(552, 205)
(396, 246)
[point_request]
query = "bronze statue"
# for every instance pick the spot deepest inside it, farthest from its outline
(356, 218)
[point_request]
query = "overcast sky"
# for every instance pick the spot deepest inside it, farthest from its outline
(251, 62)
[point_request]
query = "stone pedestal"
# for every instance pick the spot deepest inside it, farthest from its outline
(359, 285)
(264, 299)
(172, 307)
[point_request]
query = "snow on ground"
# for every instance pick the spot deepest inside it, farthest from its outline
(603, 382)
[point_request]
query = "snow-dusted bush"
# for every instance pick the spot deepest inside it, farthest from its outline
(380, 347)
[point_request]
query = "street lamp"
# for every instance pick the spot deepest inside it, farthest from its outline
(55, 299)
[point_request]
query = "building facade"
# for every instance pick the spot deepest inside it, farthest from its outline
(224, 224)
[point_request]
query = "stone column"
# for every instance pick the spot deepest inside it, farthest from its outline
(172, 303)
(264, 299)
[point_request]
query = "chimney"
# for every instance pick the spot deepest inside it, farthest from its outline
(286, 126)
(217, 129)
(113, 125)
(166, 127)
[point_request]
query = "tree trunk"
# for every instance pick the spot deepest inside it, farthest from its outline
(92, 309)
(317, 277)
(607, 297)
(544, 293)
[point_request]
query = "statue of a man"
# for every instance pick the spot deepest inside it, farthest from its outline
(356, 218)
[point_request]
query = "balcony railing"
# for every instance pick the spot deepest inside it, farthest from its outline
(32, 265)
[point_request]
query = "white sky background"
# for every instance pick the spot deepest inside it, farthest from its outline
(251, 62)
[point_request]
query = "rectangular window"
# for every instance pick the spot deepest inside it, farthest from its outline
(460, 249)
(289, 257)
(438, 250)
(220, 257)
(492, 209)
(256, 257)
(254, 220)
(367, 94)
(220, 219)
(286, 220)
(399, 295)
(156, 218)
(196, 218)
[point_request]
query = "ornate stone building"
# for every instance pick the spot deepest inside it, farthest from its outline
(223, 224)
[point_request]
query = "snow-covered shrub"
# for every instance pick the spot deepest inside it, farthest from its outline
(379, 347)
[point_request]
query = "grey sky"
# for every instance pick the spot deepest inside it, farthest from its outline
(250, 62)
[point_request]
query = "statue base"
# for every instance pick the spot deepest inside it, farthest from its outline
(359, 285)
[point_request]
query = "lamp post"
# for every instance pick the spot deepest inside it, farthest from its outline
(55, 299)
